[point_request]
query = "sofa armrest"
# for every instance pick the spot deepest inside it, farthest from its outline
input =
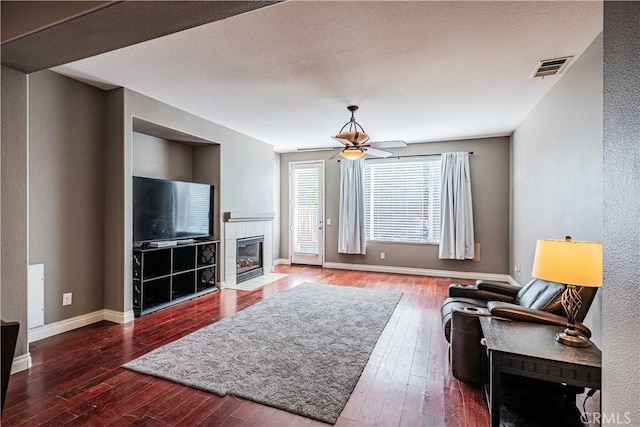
(464, 291)
(498, 287)
(517, 312)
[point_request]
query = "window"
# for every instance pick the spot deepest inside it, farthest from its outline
(402, 200)
(305, 208)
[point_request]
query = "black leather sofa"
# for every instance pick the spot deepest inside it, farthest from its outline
(538, 301)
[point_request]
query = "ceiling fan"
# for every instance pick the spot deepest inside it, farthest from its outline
(356, 141)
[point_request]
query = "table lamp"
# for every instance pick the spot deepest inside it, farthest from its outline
(572, 264)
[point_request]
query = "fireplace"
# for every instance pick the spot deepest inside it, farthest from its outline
(249, 258)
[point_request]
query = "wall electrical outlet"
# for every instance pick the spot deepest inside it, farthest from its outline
(67, 298)
(382, 255)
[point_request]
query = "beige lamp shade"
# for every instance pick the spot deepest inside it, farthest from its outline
(568, 262)
(353, 137)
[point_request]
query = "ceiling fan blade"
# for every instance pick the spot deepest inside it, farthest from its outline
(342, 141)
(388, 144)
(378, 153)
(316, 149)
(336, 156)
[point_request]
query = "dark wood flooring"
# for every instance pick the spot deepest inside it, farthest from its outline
(76, 377)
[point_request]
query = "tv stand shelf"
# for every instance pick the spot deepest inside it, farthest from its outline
(163, 277)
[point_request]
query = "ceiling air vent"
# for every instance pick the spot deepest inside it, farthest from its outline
(551, 67)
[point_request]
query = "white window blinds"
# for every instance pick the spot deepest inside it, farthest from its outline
(305, 210)
(402, 200)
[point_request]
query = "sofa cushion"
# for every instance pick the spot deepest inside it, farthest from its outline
(541, 295)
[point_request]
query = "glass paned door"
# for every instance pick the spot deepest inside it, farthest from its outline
(306, 213)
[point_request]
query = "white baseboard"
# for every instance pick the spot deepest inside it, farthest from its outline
(281, 261)
(118, 316)
(21, 363)
(418, 271)
(51, 329)
(513, 282)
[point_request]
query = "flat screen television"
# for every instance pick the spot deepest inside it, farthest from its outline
(171, 210)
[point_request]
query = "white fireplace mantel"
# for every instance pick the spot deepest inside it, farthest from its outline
(248, 216)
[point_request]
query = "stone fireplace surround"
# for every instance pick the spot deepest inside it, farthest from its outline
(246, 226)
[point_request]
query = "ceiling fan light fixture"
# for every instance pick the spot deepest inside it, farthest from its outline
(354, 134)
(352, 153)
(355, 141)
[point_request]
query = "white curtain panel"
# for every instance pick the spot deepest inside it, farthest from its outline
(351, 231)
(456, 216)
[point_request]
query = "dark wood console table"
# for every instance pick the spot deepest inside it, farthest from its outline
(529, 350)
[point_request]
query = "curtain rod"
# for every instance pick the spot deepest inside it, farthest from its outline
(402, 157)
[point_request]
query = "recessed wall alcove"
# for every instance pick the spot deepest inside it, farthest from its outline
(164, 153)
(150, 138)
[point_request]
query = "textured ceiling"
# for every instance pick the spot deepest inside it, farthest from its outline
(57, 32)
(75, 32)
(420, 71)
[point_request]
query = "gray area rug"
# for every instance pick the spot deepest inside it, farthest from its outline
(302, 351)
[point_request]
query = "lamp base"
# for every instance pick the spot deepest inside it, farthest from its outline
(572, 338)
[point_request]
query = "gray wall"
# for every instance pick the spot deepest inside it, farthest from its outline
(166, 159)
(116, 157)
(158, 158)
(276, 203)
(243, 161)
(557, 169)
(490, 192)
(621, 291)
(247, 169)
(14, 203)
(66, 192)
(206, 169)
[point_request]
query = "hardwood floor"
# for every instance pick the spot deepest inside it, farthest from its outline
(76, 377)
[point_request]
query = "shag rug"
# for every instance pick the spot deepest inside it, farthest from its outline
(302, 351)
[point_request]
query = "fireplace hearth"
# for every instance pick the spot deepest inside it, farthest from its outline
(249, 258)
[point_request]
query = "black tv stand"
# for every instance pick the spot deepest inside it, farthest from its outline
(166, 276)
